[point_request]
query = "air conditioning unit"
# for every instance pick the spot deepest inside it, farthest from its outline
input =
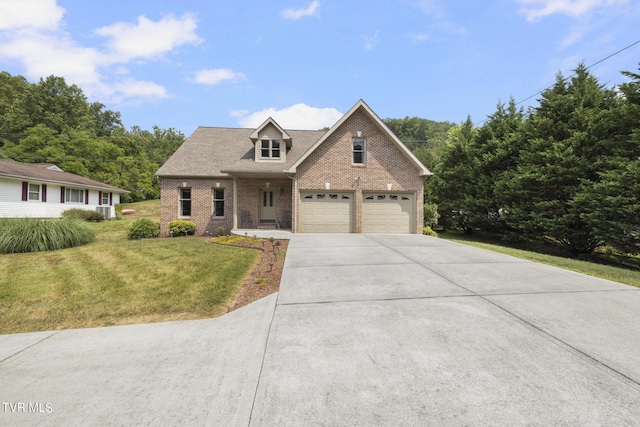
(105, 211)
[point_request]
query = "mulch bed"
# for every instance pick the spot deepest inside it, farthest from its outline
(264, 279)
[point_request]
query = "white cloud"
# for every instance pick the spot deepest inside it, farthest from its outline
(43, 55)
(298, 116)
(148, 39)
(217, 76)
(419, 37)
(32, 35)
(370, 42)
(536, 9)
(42, 14)
(430, 7)
(295, 14)
(131, 89)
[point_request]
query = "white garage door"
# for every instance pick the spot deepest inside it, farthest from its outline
(387, 213)
(326, 212)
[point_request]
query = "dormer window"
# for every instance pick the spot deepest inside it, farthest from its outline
(271, 142)
(270, 149)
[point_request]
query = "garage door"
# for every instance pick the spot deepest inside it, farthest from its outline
(387, 213)
(326, 212)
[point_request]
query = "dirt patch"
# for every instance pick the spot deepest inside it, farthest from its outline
(264, 279)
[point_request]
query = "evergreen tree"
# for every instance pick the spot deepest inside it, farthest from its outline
(566, 143)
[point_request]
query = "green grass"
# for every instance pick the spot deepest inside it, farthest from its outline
(629, 275)
(118, 281)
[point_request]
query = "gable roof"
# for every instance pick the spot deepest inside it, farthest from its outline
(50, 173)
(361, 105)
(285, 136)
(218, 152)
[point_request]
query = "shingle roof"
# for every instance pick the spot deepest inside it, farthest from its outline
(214, 152)
(42, 172)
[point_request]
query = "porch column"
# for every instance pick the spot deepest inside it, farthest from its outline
(235, 202)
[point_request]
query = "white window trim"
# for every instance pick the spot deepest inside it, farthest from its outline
(180, 200)
(214, 200)
(67, 195)
(282, 149)
(105, 194)
(29, 192)
(364, 152)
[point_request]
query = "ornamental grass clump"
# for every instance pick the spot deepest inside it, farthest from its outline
(36, 235)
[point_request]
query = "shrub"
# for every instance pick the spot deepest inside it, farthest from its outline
(221, 231)
(431, 215)
(181, 227)
(427, 231)
(35, 235)
(144, 228)
(83, 214)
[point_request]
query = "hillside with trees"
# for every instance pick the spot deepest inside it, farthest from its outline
(566, 172)
(52, 122)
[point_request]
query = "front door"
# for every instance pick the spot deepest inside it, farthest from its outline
(267, 205)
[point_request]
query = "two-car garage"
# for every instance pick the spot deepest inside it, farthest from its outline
(335, 212)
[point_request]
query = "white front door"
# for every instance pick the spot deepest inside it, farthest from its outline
(267, 205)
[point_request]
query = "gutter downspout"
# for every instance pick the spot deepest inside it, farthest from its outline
(235, 202)
(294, 226)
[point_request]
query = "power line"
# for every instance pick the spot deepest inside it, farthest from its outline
(571, 76)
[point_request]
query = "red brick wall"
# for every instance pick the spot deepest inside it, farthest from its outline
(201, 204)
(202, 201)
(249, 198)
(385, 164)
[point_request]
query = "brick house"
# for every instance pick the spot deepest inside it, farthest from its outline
(357, 177)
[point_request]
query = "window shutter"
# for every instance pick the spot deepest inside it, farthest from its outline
(61, 194)
(44, 193)
(99, 197)
(110, 199)
(25, 191)
(86, 197)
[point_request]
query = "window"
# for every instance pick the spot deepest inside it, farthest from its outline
(218, 202)
(105, 198)
(185, 202)
(270, 149)
(358, 151)
(34, 191)
(73, 195)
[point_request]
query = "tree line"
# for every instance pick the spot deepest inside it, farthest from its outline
(52, 122)
(565, 172)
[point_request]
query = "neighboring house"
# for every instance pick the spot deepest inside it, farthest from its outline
(45, 191)
(357, 177)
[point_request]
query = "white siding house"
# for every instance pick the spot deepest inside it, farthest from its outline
(45, 191)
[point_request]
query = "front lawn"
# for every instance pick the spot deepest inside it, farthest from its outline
(118, 281)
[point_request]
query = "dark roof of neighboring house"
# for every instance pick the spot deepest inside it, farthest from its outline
(48, 173)
(213, 152)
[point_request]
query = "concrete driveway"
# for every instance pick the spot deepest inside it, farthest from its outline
(366, 330)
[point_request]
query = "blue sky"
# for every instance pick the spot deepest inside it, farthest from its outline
(188, 63)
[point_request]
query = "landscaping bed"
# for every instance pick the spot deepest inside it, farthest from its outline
(264, 279)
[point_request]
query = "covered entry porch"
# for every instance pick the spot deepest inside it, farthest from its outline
(261, 202)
